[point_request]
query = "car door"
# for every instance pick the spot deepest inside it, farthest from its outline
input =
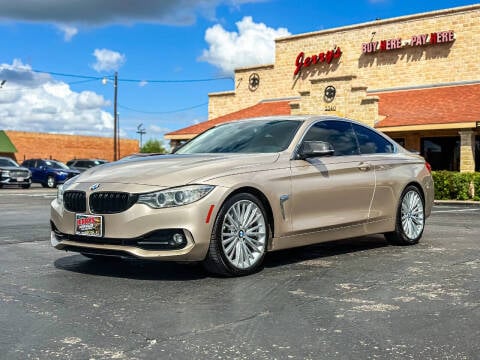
(379, 152)
(32, 165)
(331, 191)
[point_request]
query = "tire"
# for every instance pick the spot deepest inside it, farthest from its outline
(239, 239)
(26, 186)
(410, 221)
(51, 183)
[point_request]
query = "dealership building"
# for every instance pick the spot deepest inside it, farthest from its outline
(416, 78)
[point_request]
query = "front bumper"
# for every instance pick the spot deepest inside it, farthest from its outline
(123, 231)
(15, 181)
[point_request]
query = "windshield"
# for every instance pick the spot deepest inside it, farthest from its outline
(8, 162)
(257, 136)
(56, 165)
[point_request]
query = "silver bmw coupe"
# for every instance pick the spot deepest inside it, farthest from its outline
(244, 188)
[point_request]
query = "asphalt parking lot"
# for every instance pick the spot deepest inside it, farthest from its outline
(350, 299)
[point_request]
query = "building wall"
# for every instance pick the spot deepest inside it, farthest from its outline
(66, 147)
(409, 66)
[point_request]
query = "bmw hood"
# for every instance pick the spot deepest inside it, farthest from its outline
(175, 170)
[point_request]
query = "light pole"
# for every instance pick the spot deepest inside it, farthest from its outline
(141, 131)
(115, 114)
(115, 118)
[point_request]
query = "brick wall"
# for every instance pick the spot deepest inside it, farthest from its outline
(408, 66)
(66, 147)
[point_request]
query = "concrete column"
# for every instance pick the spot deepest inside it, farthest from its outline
(467, 151)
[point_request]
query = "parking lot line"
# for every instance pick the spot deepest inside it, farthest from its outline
(455, 210)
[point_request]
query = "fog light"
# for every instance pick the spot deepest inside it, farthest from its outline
(178, 239)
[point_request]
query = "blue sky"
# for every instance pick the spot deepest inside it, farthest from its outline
(148, 42)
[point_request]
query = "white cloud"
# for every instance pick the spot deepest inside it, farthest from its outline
(252, 44)
(68, 31)
(108, 60)
(31, 101)
(158, 129)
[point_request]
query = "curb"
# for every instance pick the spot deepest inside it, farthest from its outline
(465, 203)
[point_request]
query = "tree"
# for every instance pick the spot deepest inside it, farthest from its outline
(153, 146)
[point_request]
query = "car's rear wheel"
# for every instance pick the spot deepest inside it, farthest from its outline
(239, 238)
(410, 220)
(51, 183)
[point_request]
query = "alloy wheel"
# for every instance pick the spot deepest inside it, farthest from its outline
(243, 234)
(412, 215)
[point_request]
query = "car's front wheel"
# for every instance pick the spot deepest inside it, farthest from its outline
(51, 183)
(410, 220)
(239, 238)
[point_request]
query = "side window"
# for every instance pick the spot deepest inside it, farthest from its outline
(370, 142)
(338, 133)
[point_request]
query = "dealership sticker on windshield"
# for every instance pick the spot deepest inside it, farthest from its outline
(88, 225)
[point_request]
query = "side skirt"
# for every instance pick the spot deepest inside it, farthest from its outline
(323, 235)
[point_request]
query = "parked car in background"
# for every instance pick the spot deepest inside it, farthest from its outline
(244, 188)
(13, 174)
(84, 164)
(49, 173)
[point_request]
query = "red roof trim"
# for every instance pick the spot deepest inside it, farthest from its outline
(440, 105)
(257, 110)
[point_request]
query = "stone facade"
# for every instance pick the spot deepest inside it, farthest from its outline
(410, 66)
(358, 74)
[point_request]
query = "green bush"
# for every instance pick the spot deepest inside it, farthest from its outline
(476, 185)
(451, 185)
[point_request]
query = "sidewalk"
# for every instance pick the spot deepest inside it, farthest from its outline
(466, 203)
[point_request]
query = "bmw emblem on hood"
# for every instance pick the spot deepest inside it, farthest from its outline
(94, 187)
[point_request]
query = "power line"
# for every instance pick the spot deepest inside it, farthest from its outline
(133, 80)
(163, 112)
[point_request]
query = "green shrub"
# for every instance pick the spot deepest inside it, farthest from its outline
(451, 185)
(476, 185)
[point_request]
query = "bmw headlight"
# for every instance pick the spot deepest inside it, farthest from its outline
(60, 191)
(175, 196)
(62, 187)
(5, 173)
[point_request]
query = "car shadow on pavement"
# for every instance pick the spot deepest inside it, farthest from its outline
(171, 271)
(131, 269)
(324, 251)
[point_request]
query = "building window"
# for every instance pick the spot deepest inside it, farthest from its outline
(443, 153)
(477, 153)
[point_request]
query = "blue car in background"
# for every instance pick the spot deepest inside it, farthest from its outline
(49, 173)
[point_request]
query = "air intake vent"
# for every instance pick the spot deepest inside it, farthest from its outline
(111, 202)
(75, 201)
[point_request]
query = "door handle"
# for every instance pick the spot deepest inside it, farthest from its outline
(364, 166)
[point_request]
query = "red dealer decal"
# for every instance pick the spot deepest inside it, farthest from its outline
(327, 57)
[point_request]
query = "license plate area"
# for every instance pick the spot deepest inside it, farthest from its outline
(89, 225)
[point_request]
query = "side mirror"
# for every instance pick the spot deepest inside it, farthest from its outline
(310, 149)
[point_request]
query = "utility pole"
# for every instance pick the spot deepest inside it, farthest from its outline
(115, 118)
(141, 131)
